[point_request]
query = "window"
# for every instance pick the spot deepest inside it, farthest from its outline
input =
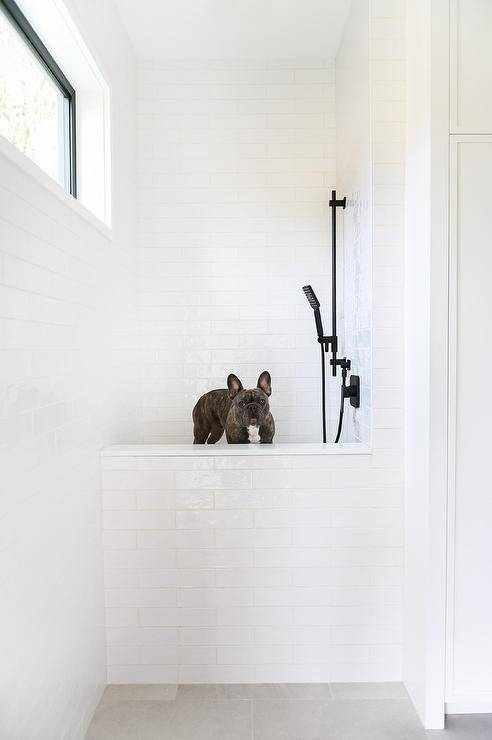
(37, 102)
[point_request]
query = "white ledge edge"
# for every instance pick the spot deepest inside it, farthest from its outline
(190, 450)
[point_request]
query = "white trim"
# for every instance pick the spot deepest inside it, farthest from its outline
(453, 66)
(469, 705)
(224, 450)
(452, 343)
(31, 169)
(437, 376)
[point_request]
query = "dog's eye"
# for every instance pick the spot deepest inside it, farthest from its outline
(262, 401)
(242, 404)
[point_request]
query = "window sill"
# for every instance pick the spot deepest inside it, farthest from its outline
(30, 168)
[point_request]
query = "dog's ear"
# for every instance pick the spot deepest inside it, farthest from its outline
(234, 385)
(265, 382)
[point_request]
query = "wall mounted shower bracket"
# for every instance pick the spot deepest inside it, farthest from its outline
(334, 203)
(328, 342)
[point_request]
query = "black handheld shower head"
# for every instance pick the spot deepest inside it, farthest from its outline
(311, 296)
(315, 304)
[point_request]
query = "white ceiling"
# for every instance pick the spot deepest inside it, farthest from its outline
(234, 29)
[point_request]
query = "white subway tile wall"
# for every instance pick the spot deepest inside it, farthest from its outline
(354, 181)
(285, 570)
(68, 335)
(257, 568)
(274, 568)
(236, 166)
(388, 197)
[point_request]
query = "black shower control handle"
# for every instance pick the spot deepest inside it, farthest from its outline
(352, 391)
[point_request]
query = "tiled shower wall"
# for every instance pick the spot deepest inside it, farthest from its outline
(252, 568)
(354, 180)
(67, 358)
(236, 166)
(240, 569)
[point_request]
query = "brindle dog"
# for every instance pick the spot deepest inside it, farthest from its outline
(244, 414)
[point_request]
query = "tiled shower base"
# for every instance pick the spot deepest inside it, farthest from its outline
(378, 711)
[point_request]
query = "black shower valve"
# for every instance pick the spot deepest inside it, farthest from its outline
(352, 391)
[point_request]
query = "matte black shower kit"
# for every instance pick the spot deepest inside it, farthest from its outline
(351, 391)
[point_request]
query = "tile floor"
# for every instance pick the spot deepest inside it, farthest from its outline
(270, 712)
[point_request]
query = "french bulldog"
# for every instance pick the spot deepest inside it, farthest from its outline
(243, 414)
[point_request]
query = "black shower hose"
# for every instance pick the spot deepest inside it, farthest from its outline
(342, 406)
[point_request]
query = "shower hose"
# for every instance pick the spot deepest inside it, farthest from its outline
(342, 405)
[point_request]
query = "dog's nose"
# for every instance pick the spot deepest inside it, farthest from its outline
(253, 412)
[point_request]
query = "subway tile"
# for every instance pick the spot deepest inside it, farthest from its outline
(216, 635)
(114, 520)
(253, 577)
(118, 655)
(252, 616)
(253, 654)
(292, 557)
(141, 636)
(120, 578)
(178, 655)
(177, 617)
(119, 540)
(162, 539)
(129, 559)
(216, 674)
(164, 578)
(349, 615)
(213, 519)
(213, 480)
(215, 558)
(253, 537)
(293, 517)
(135, 597)
(142, 674)
(215, 597)
(121, 617)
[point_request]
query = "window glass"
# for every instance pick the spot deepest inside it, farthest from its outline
(32, 107)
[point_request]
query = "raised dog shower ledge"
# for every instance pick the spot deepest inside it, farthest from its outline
(190, 450)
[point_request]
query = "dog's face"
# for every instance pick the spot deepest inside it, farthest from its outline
(250, 405)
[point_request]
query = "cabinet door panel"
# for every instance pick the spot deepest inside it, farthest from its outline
(470, 598)
(471, 66)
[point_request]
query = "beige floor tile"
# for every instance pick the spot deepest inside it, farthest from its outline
(200, 720)
(368, 691)
(138, 692)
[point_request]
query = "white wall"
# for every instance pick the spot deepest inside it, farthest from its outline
(236, 167)
(417, 315)
(252, 568)
(66, 327)
(354, 181)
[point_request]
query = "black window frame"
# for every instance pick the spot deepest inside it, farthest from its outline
(20, 23)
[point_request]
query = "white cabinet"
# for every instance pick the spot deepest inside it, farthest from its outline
(469, 639)
(471, 66)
